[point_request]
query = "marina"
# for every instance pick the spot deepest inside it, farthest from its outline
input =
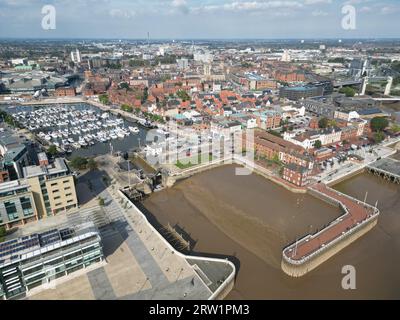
(79, 129)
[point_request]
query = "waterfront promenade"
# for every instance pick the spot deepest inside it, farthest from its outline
(308, 253)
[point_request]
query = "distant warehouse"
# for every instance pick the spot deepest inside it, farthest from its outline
(310, 90)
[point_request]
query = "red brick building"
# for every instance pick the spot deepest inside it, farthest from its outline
(296, 175)
(271, 147)
(66, 92)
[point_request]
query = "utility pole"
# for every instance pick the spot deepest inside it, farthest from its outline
(129, 173)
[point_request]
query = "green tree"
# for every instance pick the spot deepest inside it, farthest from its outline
(137, 63)
(124, 85)
(52, 150)
(92, 164)
(348, 91)
(101, 202)
(3, 233)
(379, 137)
(323, 123)
(126, 108)
(104, 99)
(395, 128)
(318, 144)
(378, 124)
(145, 95)
(183, 95)
(79, 163)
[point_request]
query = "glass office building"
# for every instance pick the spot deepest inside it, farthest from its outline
(38, 259)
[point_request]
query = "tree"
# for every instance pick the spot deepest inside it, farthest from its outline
(379, 137)
(323, 123)
(52, 150)
(145, 95)
(124, 85)
(332, 123)
(126, 108)
(3, 233)
(348, 91)
(395, 128)
(101, 202)
(92, 164)
(318, 144)
(378, 124)
(104, 99)
(79, 163)
(182, 94)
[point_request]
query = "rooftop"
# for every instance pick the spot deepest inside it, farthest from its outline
(58, 166)
(38, 243)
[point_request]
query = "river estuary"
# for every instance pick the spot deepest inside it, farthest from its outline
(251, 220)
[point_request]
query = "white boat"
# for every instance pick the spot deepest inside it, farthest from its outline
(134, 130)
(82, 143)
(120, 134)
(113, 136)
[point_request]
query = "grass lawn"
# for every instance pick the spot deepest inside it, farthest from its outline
(192, 161)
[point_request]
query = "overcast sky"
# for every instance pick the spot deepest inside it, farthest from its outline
(177, 19)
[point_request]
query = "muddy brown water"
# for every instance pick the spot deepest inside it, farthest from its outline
(252, 219)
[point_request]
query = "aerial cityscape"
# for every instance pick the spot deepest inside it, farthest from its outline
(199, 150)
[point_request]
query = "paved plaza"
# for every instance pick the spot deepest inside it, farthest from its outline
(139, 264)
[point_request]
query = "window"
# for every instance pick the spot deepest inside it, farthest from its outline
(58, 204)
(54, 184)
(68, 195)
(66, 181)
(57, 198)
(67, 188)
(26, 206)
(55, 191)
(11, 210)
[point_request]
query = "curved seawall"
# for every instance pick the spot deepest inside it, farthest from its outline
(311, 251)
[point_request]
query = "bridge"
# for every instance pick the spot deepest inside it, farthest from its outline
(390, 99)
(347, 83)
(388, 168)
(368, 80)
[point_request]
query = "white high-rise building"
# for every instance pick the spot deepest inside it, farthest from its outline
(207, 69)
(76, 56)
(285, 56)
(183, 64)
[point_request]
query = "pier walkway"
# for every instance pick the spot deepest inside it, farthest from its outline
(356, 215)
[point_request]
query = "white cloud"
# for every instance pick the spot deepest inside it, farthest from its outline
(319, 13)
(118, 13)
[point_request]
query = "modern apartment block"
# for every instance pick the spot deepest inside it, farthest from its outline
(17, 205)
(38, 259)
(53, 188)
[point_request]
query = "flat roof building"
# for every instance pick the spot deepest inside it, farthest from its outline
(53, 187)
(17, 205)
(38, 259)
